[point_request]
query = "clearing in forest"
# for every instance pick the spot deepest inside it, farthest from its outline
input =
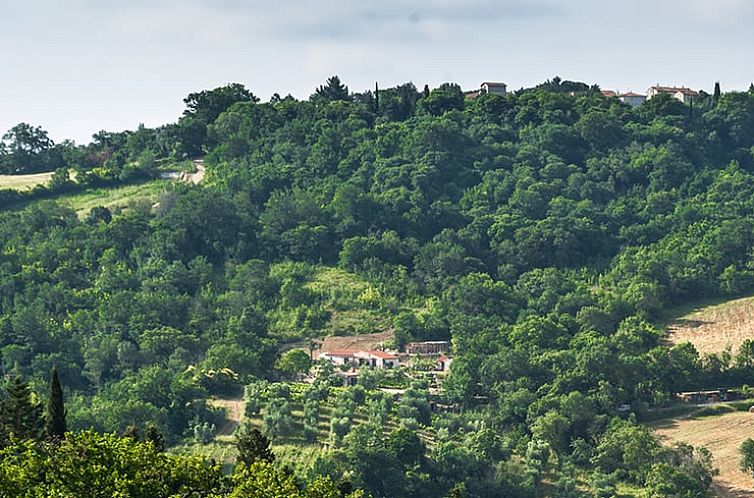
(713, 328)
(722, 435)
(24, 182)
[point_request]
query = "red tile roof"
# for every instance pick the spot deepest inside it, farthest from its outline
(609, 93)
(339, 352)
(383, 355)
(675, 89)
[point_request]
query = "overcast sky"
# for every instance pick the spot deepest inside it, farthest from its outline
(78, 66)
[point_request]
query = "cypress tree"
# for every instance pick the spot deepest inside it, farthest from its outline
(716, 95)
(55, 424)
(22, 414)
(426, 91)
(376, 98)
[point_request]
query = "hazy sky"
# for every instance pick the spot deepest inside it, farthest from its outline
(78, 66)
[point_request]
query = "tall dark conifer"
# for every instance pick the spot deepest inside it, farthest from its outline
(55, 424)
(22, 414)
(716, 95)
(376, 98)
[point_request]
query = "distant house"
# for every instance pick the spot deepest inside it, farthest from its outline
(338, 357)
(681, 93)
(608, 93)
(495, 88)
(632, 99)
(377, 359)
(428, 348)
(373, 359)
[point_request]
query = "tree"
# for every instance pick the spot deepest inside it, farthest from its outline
(207, 105)
(22, 413)
(331, 91)
(55, 423)
(716, 94)
(253, 446)
(154, 436)
(294, 362)
(747, 456)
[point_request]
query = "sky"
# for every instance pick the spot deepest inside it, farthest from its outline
(75, 67)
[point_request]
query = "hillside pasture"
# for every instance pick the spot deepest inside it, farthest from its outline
(722, 435)
(713, 328)
(24, 182)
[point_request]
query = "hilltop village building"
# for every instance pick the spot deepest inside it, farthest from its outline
(495, 88)
(681, 93)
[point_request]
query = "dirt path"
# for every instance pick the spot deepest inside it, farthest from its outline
(197, 176)
(234, 410)
(722, 435)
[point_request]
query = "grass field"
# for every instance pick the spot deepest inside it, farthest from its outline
(24, 182)
(113, 198)
(714, 327)
(722, 435)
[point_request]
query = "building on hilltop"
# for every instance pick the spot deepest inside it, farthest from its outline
(681, 93)
(632, 99)
(495, 88)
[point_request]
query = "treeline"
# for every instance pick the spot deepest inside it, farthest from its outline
(542, 232)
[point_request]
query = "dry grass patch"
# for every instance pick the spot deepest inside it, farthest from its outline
(24, 182)
(714, 328)
(722, 435)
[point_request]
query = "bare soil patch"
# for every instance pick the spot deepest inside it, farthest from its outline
(363, 341)
(234, 411)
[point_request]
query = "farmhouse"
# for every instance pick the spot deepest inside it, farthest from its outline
(495, 88)
(377, 359)
(338, 357)
(683, 94)
(373, 359)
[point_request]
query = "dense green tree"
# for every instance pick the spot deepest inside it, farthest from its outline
(253, 446)
(22, 412)
(331, 91)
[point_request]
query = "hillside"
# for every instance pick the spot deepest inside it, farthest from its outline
(541, 232)
(715, 328)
